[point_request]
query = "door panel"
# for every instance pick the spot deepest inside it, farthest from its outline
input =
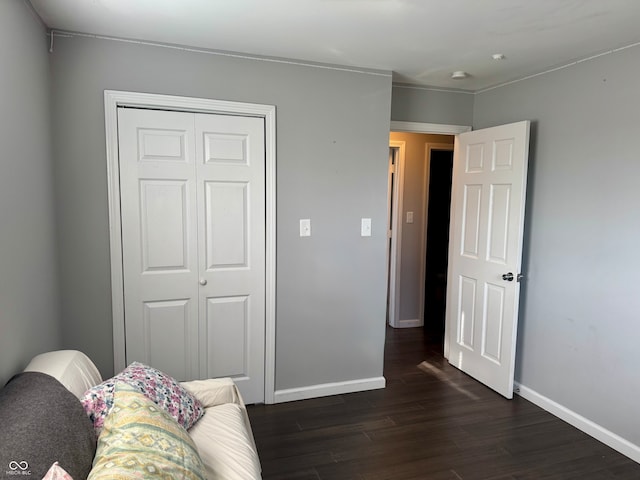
(227, 224)
(498, 223)
(165, 234)
(166, 336)
(157, 145)
(159, 238)
(227, 340)
(489, 187)
(231, 185)
(225, 148)
(466, 319)
(493, 322)
(471, 221)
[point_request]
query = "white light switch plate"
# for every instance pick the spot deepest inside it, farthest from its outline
(365, 227)
(409, 217)
(305, 227)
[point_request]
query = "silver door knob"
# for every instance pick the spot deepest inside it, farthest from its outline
(203, 281)
(508, 277)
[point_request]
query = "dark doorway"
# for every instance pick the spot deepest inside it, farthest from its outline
(440, 177)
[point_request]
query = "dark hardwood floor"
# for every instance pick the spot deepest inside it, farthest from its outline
(429, 423)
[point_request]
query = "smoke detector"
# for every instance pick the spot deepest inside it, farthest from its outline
(459, 74)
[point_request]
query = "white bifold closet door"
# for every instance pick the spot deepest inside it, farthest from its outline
(193, 240)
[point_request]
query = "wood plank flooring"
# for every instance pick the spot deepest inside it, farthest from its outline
(432, 423)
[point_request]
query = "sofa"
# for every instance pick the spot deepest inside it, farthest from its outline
(50, 426)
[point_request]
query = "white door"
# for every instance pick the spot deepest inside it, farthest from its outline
(193, 241)
(485, 252)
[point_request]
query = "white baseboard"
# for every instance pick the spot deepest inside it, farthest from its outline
(408, 323)
(581, 423)
(326, 389)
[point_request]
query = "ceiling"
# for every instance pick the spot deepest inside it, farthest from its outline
(421, 41)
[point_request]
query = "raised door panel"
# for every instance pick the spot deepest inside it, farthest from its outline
(467, 312)
(474, 158)
(498, 231)
(228, 337)
(225, 148)
(163, 145)
(226, 224)
(470, 245)
(166, 337)
(493, 322)
(165, 234)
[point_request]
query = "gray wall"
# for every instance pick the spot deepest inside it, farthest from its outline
(29, 310)
(419, 104)
(332, 147)
(579, 322)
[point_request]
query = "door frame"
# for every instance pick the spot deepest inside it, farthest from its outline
(434, 128)
(114, 99)
(396, 234)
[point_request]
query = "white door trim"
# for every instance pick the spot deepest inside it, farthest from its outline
(428, 147)
(112, 100)
(436, 128)
(396, 235)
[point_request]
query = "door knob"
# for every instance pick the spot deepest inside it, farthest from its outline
(203, 281)
(508, 277)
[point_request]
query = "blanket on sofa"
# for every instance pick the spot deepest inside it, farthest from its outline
(41, 422)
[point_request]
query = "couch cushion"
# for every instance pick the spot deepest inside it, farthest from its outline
(225, 444)
(155, 385)
(141, 440)
(71, 368)
(42, 422)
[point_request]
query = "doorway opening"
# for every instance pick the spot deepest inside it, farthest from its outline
(412, 299)
(437, 243)
(412, 159)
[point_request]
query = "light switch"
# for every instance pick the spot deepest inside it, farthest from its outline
(365, 227)
(409, 217)
(305, 227)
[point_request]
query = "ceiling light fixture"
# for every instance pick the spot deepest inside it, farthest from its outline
(459, 74)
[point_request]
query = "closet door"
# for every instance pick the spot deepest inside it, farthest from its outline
(159, 239)
(193, 241)
(231, 239)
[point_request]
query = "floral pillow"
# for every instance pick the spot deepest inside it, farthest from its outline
(56, 472)
(157, 386)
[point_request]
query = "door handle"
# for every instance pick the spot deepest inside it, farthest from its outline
(203, 281)
(509, 277)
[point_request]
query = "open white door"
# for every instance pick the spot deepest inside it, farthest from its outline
(485, 252)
